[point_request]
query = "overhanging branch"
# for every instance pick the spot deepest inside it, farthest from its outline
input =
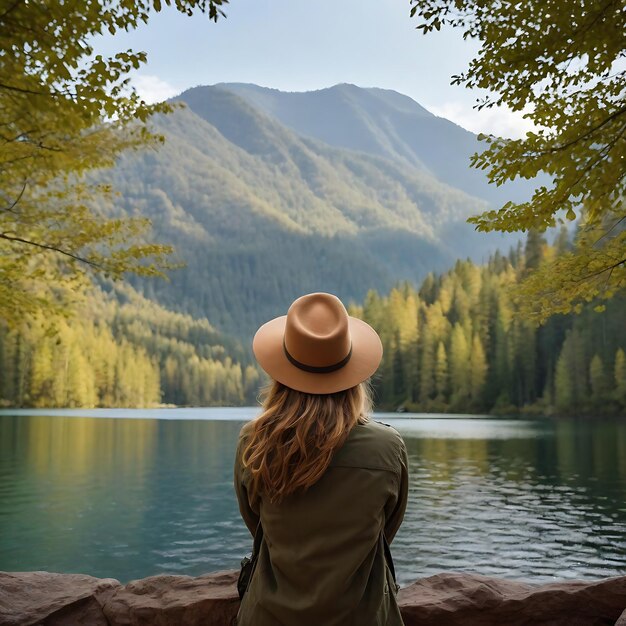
(44, 246)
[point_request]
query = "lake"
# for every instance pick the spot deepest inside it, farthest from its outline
(130, 493)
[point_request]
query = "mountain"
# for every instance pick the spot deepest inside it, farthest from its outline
(384, 123)
(261, 214)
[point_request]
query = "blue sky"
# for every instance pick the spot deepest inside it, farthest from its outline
(294, 45)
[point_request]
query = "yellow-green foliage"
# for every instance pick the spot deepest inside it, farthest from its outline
(64, 112)
(561, 63)
(122, 351)
(459, 343)
(75, 365)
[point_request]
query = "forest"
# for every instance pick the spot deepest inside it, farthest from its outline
(459, 344)
(455, 344)
(121, 350)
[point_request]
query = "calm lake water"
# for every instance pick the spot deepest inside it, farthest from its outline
(127, 494)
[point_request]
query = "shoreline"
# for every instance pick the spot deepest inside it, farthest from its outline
(169, 412)
(453, 599)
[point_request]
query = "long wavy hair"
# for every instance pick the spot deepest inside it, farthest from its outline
(290, 445)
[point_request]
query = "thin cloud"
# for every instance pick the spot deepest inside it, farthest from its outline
(154, 89)
(497, 121)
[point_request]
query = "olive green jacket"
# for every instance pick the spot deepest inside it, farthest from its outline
(322, 560)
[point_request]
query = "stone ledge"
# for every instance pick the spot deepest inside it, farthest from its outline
(451, 599)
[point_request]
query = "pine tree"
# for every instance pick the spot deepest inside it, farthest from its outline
(427, 292)
(459, 368)
(427, 381)
(563, 385)
(578, 361)
(434, 327)
(41, 373)
(250, 384)
(535, 250)
(597, 379)
(441, 373)
(478, 370)
(562, 241)
(399, 374)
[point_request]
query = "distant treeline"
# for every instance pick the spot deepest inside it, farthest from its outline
(455, 344)
(121, 351)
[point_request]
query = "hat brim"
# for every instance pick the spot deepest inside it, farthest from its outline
(367, 352)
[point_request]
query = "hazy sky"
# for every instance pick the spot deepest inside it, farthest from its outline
(294, 45)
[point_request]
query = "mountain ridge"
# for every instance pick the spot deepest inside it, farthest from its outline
(387, 123)
(261, 214)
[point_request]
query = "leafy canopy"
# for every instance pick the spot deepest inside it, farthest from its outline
(63, 112)
(562, 61)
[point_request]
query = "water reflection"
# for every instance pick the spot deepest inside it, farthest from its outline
(537, 500)
(121, 498)
(132, 497)
(474, 428)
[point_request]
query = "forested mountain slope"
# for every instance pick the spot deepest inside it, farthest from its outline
(261, 215)
(384, 123)
(120, 350)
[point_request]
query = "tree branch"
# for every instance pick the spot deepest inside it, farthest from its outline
(601, 154)
(28, 91)
(619, 221)
(604, 269)
(610, 118)
(9, 209)
(52, 248)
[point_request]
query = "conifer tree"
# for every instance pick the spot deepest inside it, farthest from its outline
(535, 250)
(441, 373)
(459, 367)
(563, 384)
(596, 378)
(478, 370)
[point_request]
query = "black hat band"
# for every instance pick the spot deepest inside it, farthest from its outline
(312, 369)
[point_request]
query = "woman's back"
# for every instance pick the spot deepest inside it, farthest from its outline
(322, 559)
(325, 485)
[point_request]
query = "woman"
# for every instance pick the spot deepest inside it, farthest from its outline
(322, 484)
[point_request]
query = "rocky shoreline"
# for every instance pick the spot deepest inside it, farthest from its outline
(450, 599)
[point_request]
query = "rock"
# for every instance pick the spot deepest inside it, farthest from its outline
(209, 600)
(454, 599)
(469, 599)
(30, 598)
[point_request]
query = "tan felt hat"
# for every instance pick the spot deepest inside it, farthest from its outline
(317, 347)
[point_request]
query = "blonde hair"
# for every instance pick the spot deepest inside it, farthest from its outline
(290, 445)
